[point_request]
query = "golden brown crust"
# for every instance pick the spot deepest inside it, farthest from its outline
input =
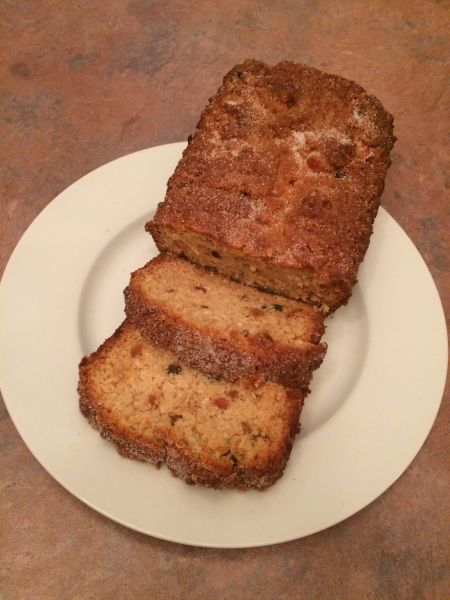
(210, 350)
(165, 445)
(287, 165)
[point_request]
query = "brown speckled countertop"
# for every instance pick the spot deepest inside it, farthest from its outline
(86, 82)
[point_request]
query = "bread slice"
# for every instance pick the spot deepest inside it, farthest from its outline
(155, 408)
(222, 327)
(280, 184)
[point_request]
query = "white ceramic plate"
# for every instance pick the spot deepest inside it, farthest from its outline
(372, 405)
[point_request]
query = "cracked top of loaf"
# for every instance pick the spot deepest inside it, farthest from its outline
(287, 164)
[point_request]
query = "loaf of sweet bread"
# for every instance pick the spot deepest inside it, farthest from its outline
(280, 183)
(211, 432)
(222, 327)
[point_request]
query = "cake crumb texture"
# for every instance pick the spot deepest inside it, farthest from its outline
(223, 327)
(211, 432)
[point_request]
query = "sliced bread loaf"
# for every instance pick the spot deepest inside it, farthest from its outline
(222, 327)
(155, 408)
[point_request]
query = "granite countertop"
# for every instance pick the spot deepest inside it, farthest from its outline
(86, 82)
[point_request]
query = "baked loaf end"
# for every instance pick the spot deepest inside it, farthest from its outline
(156, 409)
(281, 182)
(222, 327)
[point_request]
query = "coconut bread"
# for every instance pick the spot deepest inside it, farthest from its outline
(281, 182)
(209, 432)
(222, 327)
